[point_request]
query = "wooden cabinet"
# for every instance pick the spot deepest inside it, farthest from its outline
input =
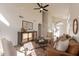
(24, 37)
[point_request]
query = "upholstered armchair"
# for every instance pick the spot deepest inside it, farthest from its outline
(7, 48)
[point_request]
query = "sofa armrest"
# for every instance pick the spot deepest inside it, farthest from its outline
(53, 52)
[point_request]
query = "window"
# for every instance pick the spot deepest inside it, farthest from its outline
(4, 20)
(58, 29)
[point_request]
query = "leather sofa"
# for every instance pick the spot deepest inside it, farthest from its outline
(72, 50)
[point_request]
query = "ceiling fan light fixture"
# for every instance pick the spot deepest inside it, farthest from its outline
(41, 8)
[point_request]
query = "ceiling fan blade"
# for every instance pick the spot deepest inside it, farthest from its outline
(45, 9)
(40, 11)
(39, 5)
(45, 6)
(36, 8)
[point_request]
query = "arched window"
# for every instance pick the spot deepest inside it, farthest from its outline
(58, 29)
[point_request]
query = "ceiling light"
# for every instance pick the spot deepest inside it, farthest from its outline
(3, 20)
(41, 9)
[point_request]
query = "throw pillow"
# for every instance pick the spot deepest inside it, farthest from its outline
(62, 45)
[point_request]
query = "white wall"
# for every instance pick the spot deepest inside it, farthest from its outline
(66, 12)
(74, 13)
(56, 13)
(11, 12)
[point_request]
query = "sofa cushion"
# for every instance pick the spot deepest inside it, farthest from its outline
(73, 48)
(53, 52)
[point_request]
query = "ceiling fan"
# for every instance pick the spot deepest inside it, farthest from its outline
(41, 7)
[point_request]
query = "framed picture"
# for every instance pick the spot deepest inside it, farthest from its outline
(75, 26)
(27, 25)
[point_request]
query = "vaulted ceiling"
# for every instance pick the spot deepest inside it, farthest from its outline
(57, 10)
(13, 11)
